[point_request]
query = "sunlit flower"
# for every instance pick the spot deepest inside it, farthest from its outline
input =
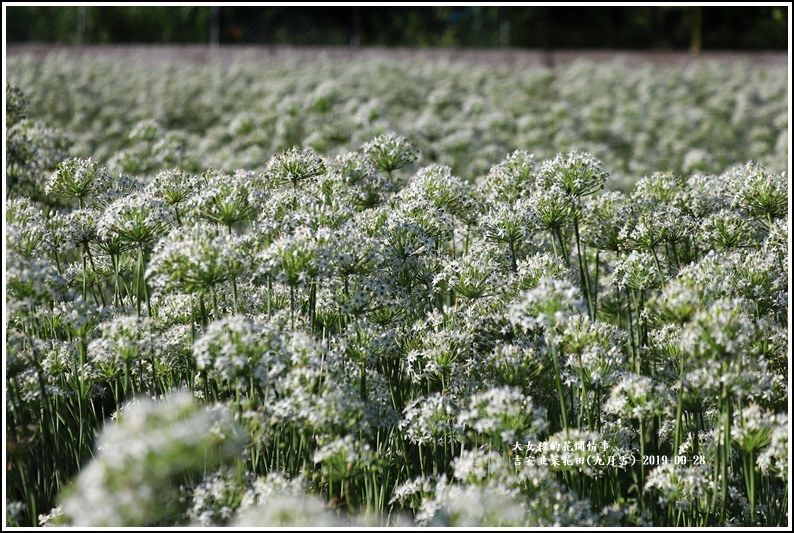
(504, 414)
(236, 351)
(294, 166)
(78, 178)
(138, 219)
(196, 260)
(430, 419)
(578, 174)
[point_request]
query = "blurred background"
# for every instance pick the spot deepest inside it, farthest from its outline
(672, 28)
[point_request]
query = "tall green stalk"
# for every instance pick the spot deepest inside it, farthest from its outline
(560, 393)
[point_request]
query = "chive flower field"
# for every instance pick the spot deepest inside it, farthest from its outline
(275, 294)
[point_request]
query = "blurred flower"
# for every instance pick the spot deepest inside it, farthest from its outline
(343, 458)
(55, 517)
(510, 224)
(214, 500)
(125, 340)
(30, 281)
(470, 277)
(134, 476)
(721, 330)
(660, 187)
(649, 225)
(752, 428)
(296, 259)
(29, 235)
(290, 511)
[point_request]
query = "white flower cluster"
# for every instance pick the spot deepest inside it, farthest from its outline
(389, 330)
(237, 351)
(154, 445)
(503, 413)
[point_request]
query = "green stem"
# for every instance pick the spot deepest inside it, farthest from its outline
(554, 244)
(312, 304)
(234, 293)
(676, 258)
(269, 296)
(595, 289)
(583, 270)
(640, 330)
(150, 311)
(631, 333)
(560, 393)
(363, 387)
(640, 488)
(466, 242)
(727, 456)
(658, 266)
(85, 277)
(56, 258)
(93, 267)
(114, 259)
(203, 309)
(138, 282)
(558, 233)
(582, 395)
(750, 475)
(234, 281)
(214, 302)
(292, 307)
(679, 408)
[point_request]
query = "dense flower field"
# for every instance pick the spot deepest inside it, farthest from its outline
(139, 118)
(382, 296)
